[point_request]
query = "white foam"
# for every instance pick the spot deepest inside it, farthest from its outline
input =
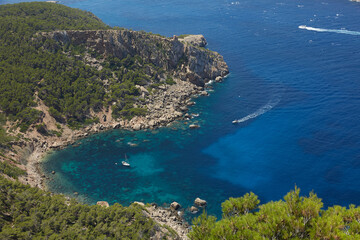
(272, 103)
(343, 31)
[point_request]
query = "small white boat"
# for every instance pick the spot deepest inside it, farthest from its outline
(125, 162)
(235, 121)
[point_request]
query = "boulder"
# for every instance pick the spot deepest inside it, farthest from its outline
(194, 209)
(55, 145)
(137, 127)
(140, 203)
(218, 79)
(175, 206)
(204, 93)
(103, 204)
(200, 202)
(152, 123)
(193, 126)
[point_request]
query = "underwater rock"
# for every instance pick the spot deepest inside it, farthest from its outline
(193, 126)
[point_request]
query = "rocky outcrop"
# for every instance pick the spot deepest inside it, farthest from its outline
(196, 40)
(174, 206)
(200, 202)
(194, 209)
(170, 218)
(182, 58)
(103, 204)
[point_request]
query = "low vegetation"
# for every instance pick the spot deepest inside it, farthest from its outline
(30, 213)
(295, 217)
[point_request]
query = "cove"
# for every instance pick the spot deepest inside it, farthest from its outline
(295, 92)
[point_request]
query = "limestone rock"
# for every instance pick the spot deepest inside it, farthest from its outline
(194, 209)
(175, 206)
(196, 40)
(200, 66)
(204, 93)
(137, 127)
(55, 145)
(218, 79)
(103, 204)
(200, 202)
(140, 203)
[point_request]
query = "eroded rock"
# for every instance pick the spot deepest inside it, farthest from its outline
(200, 202)
(175, 206)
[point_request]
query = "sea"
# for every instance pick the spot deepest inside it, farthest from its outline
(293, 87)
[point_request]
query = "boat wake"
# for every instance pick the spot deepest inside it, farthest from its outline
(272, 103)
(343, 31)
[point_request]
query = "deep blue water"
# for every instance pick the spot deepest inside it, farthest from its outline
(296, 92)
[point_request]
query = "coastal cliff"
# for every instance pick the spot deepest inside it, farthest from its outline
(183, 59)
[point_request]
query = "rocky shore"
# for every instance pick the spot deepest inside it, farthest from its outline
(165, 103)
(170, 103)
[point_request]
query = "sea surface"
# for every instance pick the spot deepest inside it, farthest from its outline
(294, 87)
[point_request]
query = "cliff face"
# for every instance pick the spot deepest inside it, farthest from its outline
(183, 59)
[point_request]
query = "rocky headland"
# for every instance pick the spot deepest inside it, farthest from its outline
(186, 60)
(190, 65)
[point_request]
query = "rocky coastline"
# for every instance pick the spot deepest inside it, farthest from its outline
(168, 105)
(165, 104)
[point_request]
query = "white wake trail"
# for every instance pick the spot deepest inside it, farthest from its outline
(272, 103)
(343, 31)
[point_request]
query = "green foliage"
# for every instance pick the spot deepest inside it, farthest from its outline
(4, 138)
(169, 80)
(29, 64)
(202, 226)
(30, 213)
(297, 217)
(32, 65)
(238, 206)
(183, 35)
(10, 170)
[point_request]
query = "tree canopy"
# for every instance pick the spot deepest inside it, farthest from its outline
(32, 67)
(295, 217)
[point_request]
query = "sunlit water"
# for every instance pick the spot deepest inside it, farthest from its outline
(294, 92)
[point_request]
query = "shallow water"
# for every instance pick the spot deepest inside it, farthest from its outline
(294, 91)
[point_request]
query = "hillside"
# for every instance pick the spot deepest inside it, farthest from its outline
(76, 78)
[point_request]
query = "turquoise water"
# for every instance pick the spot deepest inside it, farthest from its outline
(295, 92)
